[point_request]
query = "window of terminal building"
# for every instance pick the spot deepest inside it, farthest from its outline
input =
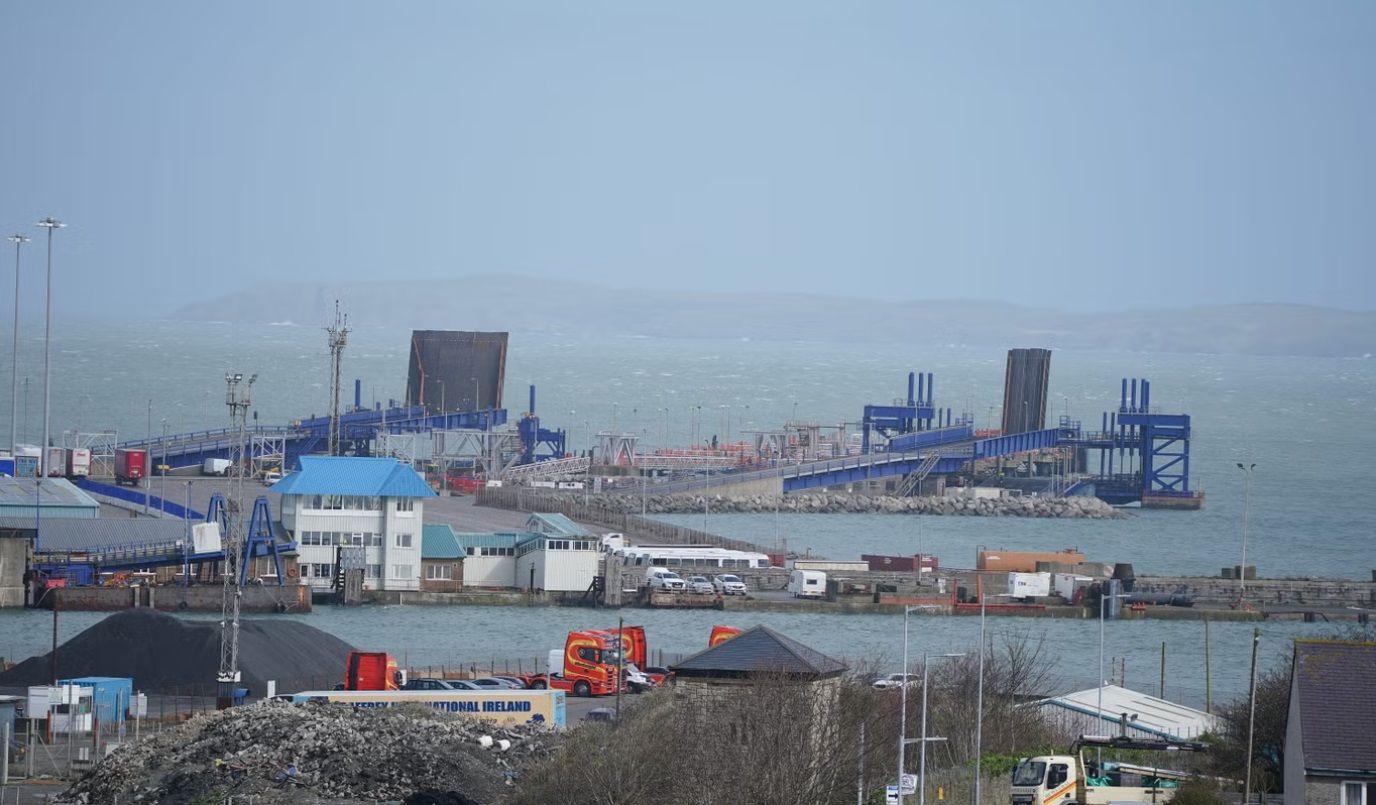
(440, 572)
(374, 571)
(402, 572)
(403, 540)
(406, 505)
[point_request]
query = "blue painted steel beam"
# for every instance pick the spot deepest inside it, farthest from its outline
(1017, 443)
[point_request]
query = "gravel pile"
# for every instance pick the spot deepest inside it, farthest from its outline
(164, 653)
(339, 754)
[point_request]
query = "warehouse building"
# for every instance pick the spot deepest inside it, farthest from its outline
(1135, 714)
(372, 505)
(33, 499)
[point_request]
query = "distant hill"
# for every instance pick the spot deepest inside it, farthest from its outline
(528, 304)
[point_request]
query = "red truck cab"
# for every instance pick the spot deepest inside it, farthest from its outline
(588, 666)
(372, 670)
(721, 634)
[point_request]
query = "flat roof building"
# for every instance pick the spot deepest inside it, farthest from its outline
(29, 498)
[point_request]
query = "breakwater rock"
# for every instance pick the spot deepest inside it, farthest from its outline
(1079, 507)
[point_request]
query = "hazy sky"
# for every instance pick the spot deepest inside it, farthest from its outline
(1075, 154)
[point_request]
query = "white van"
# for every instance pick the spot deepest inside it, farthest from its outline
(215, 466)
(662, 578)
(807, 583)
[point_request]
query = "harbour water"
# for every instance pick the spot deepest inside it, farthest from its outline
(460, 636)
(1305, 422)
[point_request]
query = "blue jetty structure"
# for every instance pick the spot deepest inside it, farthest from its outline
(80, 550)
(1144, 455)
(359, 428)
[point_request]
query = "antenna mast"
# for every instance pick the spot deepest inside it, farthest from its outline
(239, 398)
(339, 338)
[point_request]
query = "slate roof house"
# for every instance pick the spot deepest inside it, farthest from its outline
(1330, 734)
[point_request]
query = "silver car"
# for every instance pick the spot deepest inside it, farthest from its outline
(699, 585)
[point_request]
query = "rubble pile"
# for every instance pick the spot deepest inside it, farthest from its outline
(1074, 506)
(276, 752)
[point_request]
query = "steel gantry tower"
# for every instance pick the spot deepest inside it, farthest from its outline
(339, 338)
(239, 397)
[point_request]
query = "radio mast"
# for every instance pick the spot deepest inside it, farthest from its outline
(239, 397)
(339, 338)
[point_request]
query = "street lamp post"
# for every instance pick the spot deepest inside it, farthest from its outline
(922, 751)
(979, 692)
(1246, 506)
(1103, 601)
(903, 699)
(49, 224)
(18, 241)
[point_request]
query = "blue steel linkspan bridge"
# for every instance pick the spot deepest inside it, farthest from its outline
(1142, 455)
(283, 445)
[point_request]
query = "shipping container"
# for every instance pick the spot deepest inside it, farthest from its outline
(78, 462)
(26, 461)
(1024, 561)
(1065, 584)
(503, 707)
(111, 696)
(130, 466)
(829, 565)
(901, 564)
(1029, 585)
(55, 465)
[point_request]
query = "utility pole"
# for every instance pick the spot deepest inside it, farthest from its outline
(18, 241)
(49, 224)
(1208, 676)
(1246, 505)
(339, 338)
(1251, 718)
(238, 396)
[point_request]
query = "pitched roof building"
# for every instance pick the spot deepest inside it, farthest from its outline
(1330, 734)
(756, 652)
(1135, 714)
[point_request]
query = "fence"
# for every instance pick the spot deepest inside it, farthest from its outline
(590, 512)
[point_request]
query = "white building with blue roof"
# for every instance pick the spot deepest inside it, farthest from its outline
(370, 507)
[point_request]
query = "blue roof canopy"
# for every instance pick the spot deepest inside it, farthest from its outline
(353, 475)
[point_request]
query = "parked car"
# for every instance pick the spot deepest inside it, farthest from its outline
(438, 684)
(700, 586)
(895, 681)
(496, 683)
(517, 682)
(664, 579)
(728, 584)
(271, 477)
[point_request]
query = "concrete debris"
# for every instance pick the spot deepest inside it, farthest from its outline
(1075, 506)
(275, 752)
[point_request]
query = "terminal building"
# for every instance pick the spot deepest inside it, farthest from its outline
(372, 508)
(553, 554)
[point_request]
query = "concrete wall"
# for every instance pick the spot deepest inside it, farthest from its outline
(1270, 592)
(201, 598)
(14, 557)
